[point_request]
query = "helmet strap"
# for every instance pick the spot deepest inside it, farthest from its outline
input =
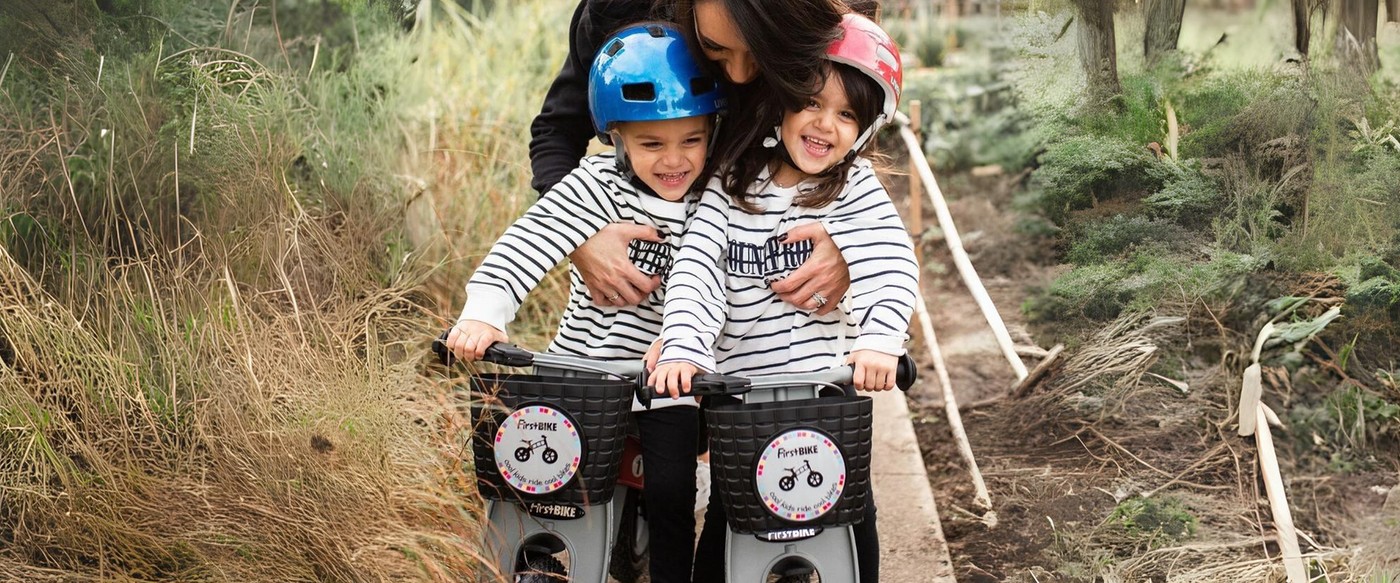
(624, 166)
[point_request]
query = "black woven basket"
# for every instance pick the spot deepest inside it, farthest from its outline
(739, 432)
(599, 407)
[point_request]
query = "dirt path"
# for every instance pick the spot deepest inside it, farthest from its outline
(1055, 487)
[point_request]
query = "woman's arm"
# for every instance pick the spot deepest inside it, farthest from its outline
(559, 135)
(607, 271)
(824, 272)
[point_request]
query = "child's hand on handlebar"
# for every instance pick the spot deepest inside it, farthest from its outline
(673, 378)
(653, 354)
(875, 371)
(469, 339)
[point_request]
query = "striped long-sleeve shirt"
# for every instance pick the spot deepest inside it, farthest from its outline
(721, 315)
(588, 199)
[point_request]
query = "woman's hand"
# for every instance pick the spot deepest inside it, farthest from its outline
(825, 273)
(611, 278)
(469, 339)
(673, 378)
(874, 370)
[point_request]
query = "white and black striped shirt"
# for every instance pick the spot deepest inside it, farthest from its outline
(721, 315)
(588, 199)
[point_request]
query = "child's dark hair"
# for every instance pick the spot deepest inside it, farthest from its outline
(865, 97)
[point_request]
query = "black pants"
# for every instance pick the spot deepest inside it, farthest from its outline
(669, 437)
(710, 556)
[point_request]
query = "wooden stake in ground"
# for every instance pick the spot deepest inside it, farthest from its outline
(960, 258)
(1255, 419)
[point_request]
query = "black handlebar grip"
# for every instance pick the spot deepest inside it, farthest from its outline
(501, 353)
(707, 385)
(444, 355)
(506, 354)
(713, 384)
(906, 373)
(644, 392)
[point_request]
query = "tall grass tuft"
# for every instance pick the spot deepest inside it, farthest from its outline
(220, 264)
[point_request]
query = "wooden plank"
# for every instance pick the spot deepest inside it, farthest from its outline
(955, 246)
(1024, 387)
(1278, 503)
(950, 407)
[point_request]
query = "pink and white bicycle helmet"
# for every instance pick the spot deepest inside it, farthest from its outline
(870, 50)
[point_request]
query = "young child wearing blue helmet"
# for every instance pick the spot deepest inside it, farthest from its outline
(654, 103)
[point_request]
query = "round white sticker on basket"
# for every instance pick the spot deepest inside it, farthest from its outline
(800, 475)
(538, 449)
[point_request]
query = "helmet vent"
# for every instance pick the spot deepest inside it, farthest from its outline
(701, 85)
(614, 48)
(639, 92)
(656, 31)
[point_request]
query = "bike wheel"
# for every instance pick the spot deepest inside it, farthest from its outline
(631, 551)
(814, 479)
(551, 455)
(522, 454)
(542, 569)
(786, 483)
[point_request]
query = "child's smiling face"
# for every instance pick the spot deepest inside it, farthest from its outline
(667, 155)
(820, 135)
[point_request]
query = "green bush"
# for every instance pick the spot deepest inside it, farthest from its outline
(1120, 235)
(1275, 108)
(1102, 291)
(1138, 117)
(1153, 517)
(1079, 171)
(1187, 197)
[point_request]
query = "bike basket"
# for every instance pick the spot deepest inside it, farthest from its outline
(792, 463)
(518, 413)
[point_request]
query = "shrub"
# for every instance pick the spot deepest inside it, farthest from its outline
(1187, 197)
(1154, 517)
(1077, 172)
(1120, 235)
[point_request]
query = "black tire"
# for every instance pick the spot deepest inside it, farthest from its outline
(522, 454)
(814, 479)
(550, 455)
(630, 553)
(786, 483)
(797, 578)
(542, 569)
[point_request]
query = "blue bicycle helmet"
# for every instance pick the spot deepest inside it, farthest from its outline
(647, 73)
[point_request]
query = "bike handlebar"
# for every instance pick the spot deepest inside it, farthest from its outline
(709, 384)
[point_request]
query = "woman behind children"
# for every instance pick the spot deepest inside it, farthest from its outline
(722, 316)
(759, 47)
(650, 98)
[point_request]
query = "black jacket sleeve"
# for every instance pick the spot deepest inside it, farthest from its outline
(559, 134)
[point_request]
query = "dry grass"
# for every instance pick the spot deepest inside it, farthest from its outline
(218, 276)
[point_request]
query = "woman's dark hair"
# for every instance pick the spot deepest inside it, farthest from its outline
(865, 97)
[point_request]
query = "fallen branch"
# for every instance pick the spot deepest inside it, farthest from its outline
(1024, 387)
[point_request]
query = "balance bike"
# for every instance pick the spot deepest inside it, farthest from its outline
(792, 462)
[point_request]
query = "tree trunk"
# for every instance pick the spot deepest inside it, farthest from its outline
(1356, 34)
(1163, 27)
(1097, 49)
(1302, 32)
